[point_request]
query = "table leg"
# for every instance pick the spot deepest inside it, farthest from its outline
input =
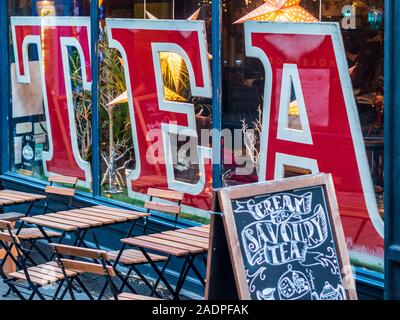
(125, 280)
(196, 271)
(157, 270)
(182, 277)
(159, 279)
(28, 213)
(96, 242)
(80, 238)
(189, 262)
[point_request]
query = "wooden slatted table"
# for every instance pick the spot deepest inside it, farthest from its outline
(182, 243)
(10, 198)
(79, 221)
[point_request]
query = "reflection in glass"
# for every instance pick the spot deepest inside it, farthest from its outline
(117, 150)
(243, 97)
(36, 149)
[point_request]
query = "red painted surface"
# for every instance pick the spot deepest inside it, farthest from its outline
(333, 146)
(63, 161)
(137, 43)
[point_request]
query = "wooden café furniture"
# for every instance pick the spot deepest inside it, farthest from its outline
(132, 258)
(60, 186)
(34, 233)
(31, 278)
(61, 272)
(79, 221)
(159, 248)
(10, 198)
(186, 244)
(78, 261)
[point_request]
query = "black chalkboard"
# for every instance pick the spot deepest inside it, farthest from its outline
(286, 240)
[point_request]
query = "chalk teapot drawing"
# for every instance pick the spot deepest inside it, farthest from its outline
(329, 293)
(293, 285)
(266, 294)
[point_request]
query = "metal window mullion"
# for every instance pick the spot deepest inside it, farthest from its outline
(4, 89)
(392, 148)
(217, 92)
(94, 40)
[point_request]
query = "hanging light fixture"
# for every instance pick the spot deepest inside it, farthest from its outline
(279, 10)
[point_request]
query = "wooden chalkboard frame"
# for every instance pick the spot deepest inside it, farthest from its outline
(226, 195)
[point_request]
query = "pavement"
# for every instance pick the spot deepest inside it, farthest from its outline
(94, 285)
(92, 282)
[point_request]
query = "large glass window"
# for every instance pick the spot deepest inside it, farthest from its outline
(50, 116)
(129, 166)
(155, 84)
(51, 78)
(244, 101)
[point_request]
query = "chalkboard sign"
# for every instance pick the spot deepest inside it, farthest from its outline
(286, 240)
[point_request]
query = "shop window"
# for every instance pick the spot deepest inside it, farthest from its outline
(50, 110)
(51, 75)
(131, 161)
(50, 116)
(244, 82)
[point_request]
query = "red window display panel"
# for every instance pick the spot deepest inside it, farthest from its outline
(53, 36)
(154, 119)
(307, 63)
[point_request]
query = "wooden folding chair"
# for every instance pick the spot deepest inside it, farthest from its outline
(101, 266)
(185, 244)
(30, 278)
(132, 258)
(31, 235)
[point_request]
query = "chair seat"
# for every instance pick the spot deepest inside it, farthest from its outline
(44, 274)
(131, 296)
(34, 233)
(132, 256)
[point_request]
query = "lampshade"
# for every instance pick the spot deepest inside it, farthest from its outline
(279, 10)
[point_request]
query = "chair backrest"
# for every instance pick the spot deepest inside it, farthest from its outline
(5, 225)
(6, 232)
(63, 179)
(5, 237)
(170, 196)
(166, 194)
(60, 191)
(25, 172)
(10, 243)
(57, 188)
(163, 207)
(101, 266)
